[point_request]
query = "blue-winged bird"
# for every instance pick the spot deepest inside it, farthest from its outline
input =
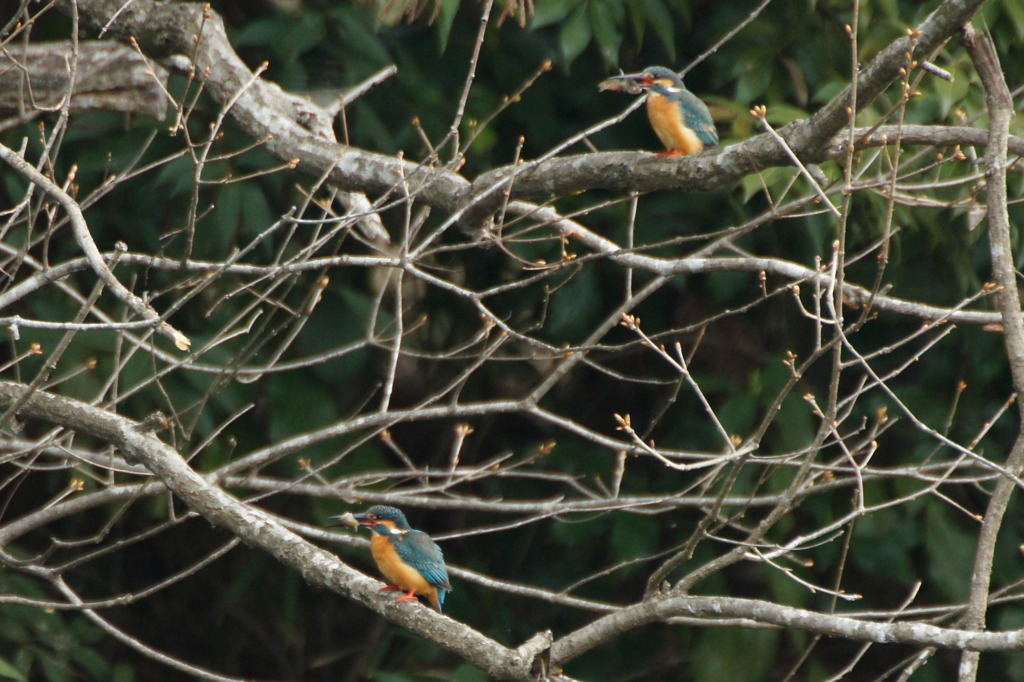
(409, 560)
(680, 119)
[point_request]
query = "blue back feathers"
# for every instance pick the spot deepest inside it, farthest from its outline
(414, 547)
(696, 115)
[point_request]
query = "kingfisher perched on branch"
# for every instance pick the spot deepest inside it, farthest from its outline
(409, 560)
(680, 119)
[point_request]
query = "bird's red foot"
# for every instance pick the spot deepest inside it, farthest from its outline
(389, 587)
(671, 153)
(411, 594)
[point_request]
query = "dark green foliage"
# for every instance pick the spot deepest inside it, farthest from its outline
(54, 645)
(741, 335)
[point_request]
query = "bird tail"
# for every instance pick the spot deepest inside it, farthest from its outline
(438, 601)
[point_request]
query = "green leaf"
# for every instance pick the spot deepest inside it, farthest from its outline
(576, 34)
(664, 27)
(225, 218)
(633, 536)
(950, 549)
(467, 673)
(382, 676)
(56, 670)
(552, 12)
(575, 306)
(257, 33)
(781, 114)
(445, 19)
(91, 661)
(754, 80)
(638, 20)
(738, 414)
(606, 30)
(304, 34)
(10, 672)
(255, 211)
(123, 673)
(359, 39)
(1016, 12)
(735, 655)
(174, 178)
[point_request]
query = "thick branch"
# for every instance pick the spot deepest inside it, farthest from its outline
(261, 108)
(268, 113)
(108, 76)
(629, 171)
(810, 137)
(260, 530)
(1000, 106)
(811, 140)
(663, 609)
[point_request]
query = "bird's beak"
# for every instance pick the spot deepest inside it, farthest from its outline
(347, 519)
(633, 83)
(364, 520)
(641, 77)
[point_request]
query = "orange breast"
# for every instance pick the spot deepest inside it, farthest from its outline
(667, 122)
(396, 571)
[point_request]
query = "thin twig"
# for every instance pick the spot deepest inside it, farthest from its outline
(80, 228)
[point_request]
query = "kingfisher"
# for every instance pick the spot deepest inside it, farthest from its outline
(680, 119)
(408, 558)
